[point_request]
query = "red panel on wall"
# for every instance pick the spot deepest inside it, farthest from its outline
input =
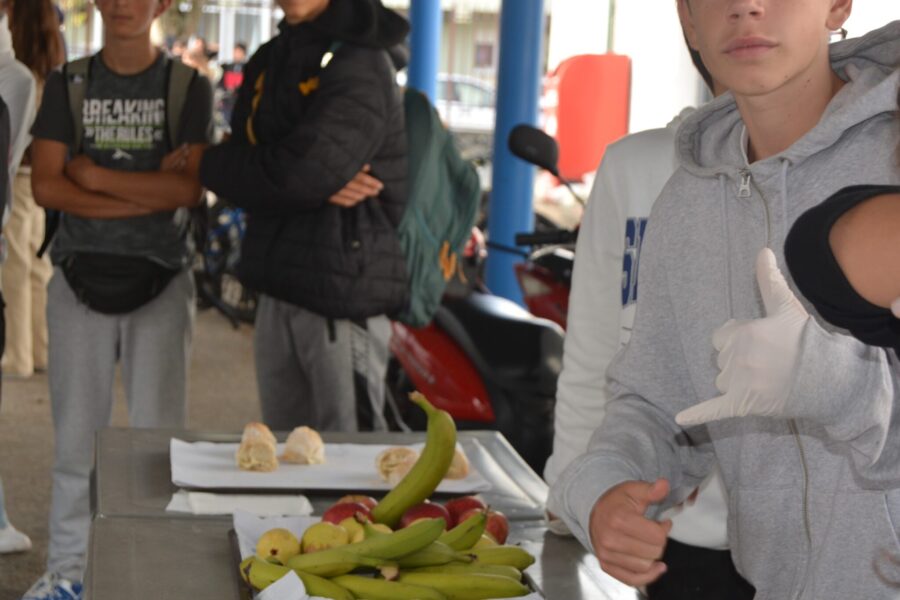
(586, 103)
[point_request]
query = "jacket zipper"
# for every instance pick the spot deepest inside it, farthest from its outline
(745, 192)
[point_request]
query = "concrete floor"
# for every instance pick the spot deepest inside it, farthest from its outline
(221, 396)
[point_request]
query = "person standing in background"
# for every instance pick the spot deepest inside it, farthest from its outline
(318, 116)
(17, 91)
(231, 80)
(38, 45)
(121, 294)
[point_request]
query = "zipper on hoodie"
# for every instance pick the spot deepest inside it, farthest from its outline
(745, 192)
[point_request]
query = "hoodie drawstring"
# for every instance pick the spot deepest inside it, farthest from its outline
(726, 236)
(785, 163)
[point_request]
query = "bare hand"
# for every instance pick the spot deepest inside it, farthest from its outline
(359, 188)
(176, 160)
(81, 170)
(628, 545)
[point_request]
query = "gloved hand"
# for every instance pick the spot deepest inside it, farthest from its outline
(895, 308)
(756, 357)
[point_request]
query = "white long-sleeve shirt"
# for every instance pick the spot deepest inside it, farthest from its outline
(601, 312)
(17, 88)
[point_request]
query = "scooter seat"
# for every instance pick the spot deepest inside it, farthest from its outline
(509, 345)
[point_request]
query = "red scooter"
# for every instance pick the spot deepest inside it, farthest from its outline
(485, 359)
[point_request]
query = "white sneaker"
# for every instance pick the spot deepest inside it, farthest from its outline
(13, 540)
(53, 587)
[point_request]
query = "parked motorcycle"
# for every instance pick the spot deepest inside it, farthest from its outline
(218, 232)
(546, 276)
(484, 359)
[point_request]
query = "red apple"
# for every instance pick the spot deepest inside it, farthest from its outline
(497, 525)
(362, 499)
(342, 510)
(425, 510)
(458, 506)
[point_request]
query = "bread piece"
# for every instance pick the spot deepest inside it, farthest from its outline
(459, 468)
(257, 455)
(395, 462)
(304, 446)
(254, 432)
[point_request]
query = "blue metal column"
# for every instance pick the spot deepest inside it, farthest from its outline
(519, 80)
(425, 45)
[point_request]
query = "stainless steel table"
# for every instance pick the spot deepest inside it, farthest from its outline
(137, 550)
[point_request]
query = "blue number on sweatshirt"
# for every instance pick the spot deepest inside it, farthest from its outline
(634, 236)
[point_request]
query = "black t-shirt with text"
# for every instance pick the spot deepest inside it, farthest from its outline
(124, 120)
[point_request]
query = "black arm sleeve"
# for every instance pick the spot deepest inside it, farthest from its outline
(819, 277)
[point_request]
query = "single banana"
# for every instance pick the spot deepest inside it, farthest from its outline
(261, 573)
(379, 589)
(331, 562)
(472, 567)
(465, 534)
(399, 543)
(424, 477)
(326, 588)
(503, 555)
(471, 586)
(245, 568)
(435, 553)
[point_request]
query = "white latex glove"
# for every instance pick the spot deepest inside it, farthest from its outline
(756, 357)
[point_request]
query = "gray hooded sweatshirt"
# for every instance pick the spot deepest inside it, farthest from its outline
(814, 502)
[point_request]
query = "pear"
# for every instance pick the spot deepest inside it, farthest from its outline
(277, 545)
(322, 536)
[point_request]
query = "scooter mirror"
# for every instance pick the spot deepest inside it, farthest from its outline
(534, 146)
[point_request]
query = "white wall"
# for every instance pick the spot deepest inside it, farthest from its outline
(576, 27)
(663, 78)
(871, 14)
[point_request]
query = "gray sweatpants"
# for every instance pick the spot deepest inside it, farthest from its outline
(152, 344)
(305, 367)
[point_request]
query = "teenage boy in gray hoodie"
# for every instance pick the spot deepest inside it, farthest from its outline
(813, 482)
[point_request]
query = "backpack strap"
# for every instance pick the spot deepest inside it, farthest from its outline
(179, 76)
(76, 75)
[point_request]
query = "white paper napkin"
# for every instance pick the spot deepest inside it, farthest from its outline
(289, 587)
(205, 503)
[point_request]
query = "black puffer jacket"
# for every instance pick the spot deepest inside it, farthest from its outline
(300, 132)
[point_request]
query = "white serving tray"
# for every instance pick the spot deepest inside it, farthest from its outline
(211, 465)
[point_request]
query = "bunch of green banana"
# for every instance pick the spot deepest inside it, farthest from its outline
(513, 556)
(429, 469)
(261, 574)
(371, 552)
(379, 589)
(435, 553)
(471, 567)
(331, 562)
(467, 533)
(471, 586)
(399, 543)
